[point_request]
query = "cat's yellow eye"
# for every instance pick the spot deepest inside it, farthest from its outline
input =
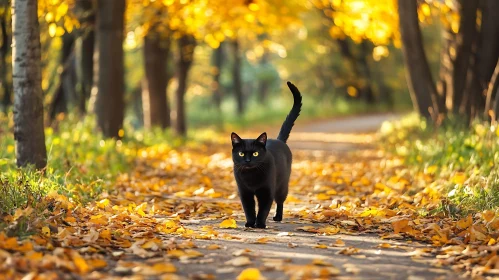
(241, 154)
(255, 154)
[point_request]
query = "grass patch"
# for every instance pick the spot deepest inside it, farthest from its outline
(202, 113)
(462, 160)
(81, 165)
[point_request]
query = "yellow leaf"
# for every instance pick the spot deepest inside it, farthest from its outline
(52, 29)
(321, 246)
(213, 247)
(103, 203)
(164, 268)
(250, 274)
(329, 230)
(458, 178)
(229, 223)
(491, 242)
(323, 196)
(97, 263)
(465, 223)
(320, 262)
(46, 231)
(105, 234)
(385, 245)
(339, 243)
(80, 262)
(263, 240)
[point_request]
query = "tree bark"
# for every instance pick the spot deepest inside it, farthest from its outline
(154, 99)
(4, 65)
(488, 52)
(28, 97)
(236, 77)
(108, 92)
(65, 92)
(186, 45)
(359, 68)
(463, 44)
(492, 95)
(217, 61)
(421, 86)
(367, 92)
(85, 54)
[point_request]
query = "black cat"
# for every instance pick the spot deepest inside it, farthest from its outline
(262, 168)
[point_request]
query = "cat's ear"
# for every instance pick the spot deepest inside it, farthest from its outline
(235, 139)
(262, 139)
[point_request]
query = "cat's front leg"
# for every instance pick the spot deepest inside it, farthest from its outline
(248, 201)
(264, 196)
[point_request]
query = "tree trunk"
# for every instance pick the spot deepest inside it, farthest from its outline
(65, 91)
(4, 65)
(217, 61)
(236, 77)
(367, 92)
(488, 52)
(186, 45)
(108, 93)
(86, 46)
(28, 97)
(463, 45)
(154, 99)
(423, 92)
(492, 95)
(359, 68)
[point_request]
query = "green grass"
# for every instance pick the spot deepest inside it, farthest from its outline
(464, 160)
(202, 114)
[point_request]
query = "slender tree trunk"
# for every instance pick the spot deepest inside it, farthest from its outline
(66, 87)
(492, 95)
(367, 94)
(28, 97)
(488, 52)
(463, 45)
(423, 92)
(86, 46)
(359, 68)
(186, 45)
(236, 77)
(154, 99)
(217, 61)
(4, 65)
(108, 93)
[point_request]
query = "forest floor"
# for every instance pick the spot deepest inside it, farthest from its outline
(352, 213)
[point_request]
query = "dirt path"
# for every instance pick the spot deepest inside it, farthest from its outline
(177, 216)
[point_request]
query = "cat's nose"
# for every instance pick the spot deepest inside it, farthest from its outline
(247, 160)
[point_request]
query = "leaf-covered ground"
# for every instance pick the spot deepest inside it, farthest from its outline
(353, 214)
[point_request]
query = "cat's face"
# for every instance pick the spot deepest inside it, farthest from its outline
(248, 153)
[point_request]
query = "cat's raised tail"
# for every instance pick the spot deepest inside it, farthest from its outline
(293, 114)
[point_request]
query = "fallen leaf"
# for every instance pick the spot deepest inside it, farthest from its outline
(228, 223)
(250, 274)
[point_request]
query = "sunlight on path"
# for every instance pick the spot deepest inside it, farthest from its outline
(178, 215)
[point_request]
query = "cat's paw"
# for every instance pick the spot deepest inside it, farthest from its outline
(277, 219)
(260, 225)
(250, 225)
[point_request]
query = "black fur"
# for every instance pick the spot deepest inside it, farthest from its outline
(262, 168)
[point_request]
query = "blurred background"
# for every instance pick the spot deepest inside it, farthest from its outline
(226, 61)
